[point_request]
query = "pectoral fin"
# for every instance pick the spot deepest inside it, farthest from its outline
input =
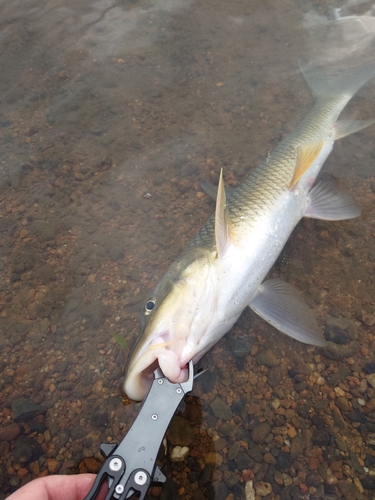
(306, 155)
(284, 308)
(224, 231)
(329, 202)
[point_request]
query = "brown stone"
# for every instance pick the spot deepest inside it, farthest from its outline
(22, 472)
(52, 465)
(10, 432)
(260, 432)
(89, 464)
(34, 467)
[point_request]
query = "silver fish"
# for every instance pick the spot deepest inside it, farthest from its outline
(222, 269)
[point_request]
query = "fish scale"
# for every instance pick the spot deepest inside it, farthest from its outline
(223, 268)
(263, 186)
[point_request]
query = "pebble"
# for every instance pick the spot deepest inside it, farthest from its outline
(249, 491)
(300, 442)
(263, 489)
(89, 464)
(275, 376)
(24, 409)
(44, 231)
(26, 450)
(267, 358)
(179, 453)
(234, 450)
(348, 490)
(180, 432)
(260, 432)
(52, 465)
(221, 409)
(371, 379)
(10, 432)
(269, 458)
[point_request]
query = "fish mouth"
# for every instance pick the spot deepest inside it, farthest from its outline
(140, 375)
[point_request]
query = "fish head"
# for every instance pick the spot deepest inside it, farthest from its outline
(176, 324)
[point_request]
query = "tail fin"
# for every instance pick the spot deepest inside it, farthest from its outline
(347, 82)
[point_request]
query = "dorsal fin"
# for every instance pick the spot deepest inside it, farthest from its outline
(224, 230)
(306, 155)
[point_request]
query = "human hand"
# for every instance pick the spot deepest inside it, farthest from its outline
(56, 487)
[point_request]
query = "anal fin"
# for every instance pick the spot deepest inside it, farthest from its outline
(306, 155)
(328, 201)
(348, 126)
(283, 307)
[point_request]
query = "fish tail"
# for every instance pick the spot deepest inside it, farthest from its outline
(345, 83)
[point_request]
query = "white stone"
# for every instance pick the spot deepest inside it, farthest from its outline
(249, 491)
(179, 453)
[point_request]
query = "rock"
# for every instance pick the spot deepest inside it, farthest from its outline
(213, 458)
(283, 460)
(338, 352)
(267, 358)
(170, 490)
(234, 450)
(180, 432)
(369, 368)
(100, 419)
(355, 462)
(342, 402)
(221, 409)
(356, 416)
(116, 250)
(207, 381)
(321, 437)
(340, 322)
(260, 432)
(338, 377)
(206, 475)
(230, 478)
(263, 489)
(243, 461)
(26, 450)
(269, 458)
(371, 379)
(24, 409)
(78, 432)
(300, 442)
(274, 376)
(44, 231)
(314, 479)
(10, 432)
(89, 464)
(217, 490)
(52, 465)
(239, 347)
(348, 490)
(239, 492)
(368, 482)
(179, 453)
(256, 453)
(336, 335)
(249, 491)
(341, 444)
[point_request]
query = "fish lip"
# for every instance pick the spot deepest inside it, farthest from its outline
(139, 376)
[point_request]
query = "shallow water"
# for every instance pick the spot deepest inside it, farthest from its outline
(109, 114)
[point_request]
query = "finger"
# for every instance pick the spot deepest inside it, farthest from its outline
(61, 487)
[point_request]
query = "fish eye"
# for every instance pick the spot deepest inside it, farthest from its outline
(150, 304)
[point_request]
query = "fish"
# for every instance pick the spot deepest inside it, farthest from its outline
(223, 268)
